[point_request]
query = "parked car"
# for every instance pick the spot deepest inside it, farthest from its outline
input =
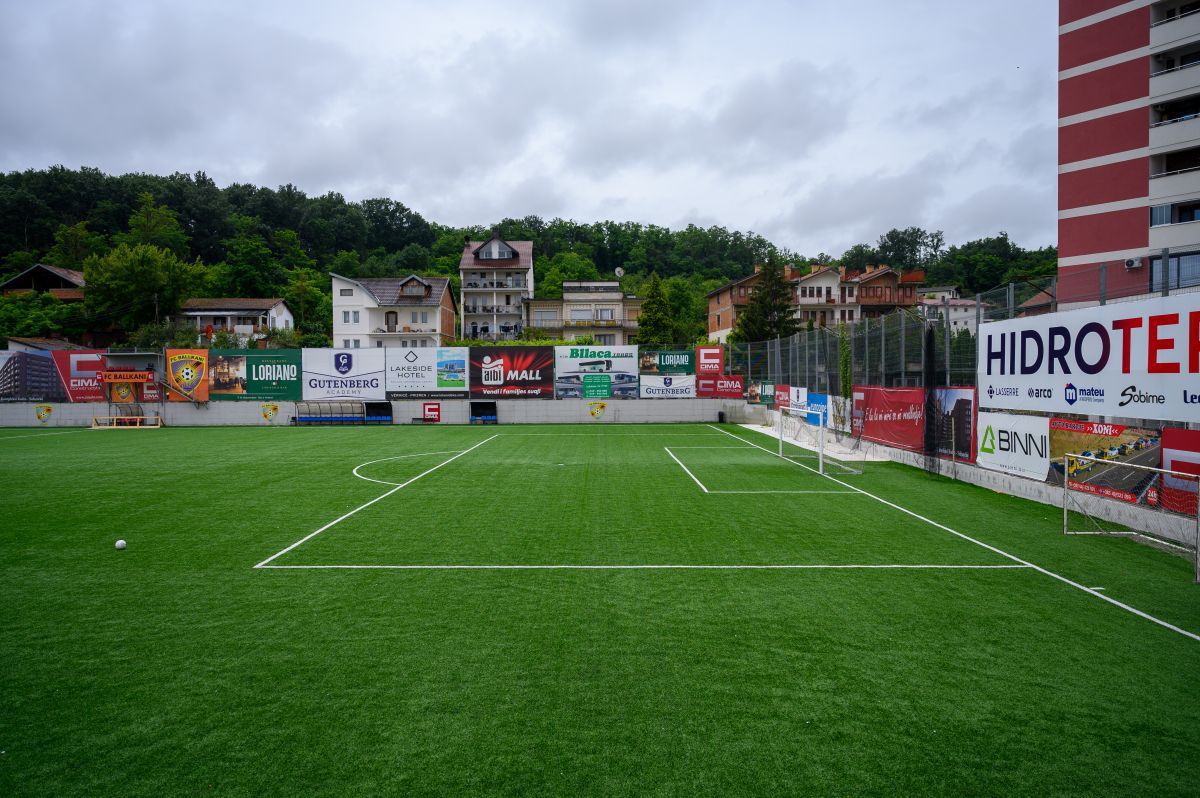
(1090, 453)
(1113, 452)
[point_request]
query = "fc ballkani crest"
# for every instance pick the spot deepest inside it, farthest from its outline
(270, 410)
(596, 409)
(43, 412)
(187, 372)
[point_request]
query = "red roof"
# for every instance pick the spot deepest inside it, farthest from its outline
(524, 259)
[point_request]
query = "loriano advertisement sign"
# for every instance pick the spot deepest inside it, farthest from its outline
(662, 361)
(1129, 359)
(343, 374)
(254, 374)
(432, 373)
(596, 372)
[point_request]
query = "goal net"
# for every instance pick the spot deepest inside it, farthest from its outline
(1161, 504)
(804, 437)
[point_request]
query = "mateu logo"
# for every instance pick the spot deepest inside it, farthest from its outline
(1073, 394)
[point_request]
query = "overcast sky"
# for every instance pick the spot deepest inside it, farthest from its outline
(816, 124)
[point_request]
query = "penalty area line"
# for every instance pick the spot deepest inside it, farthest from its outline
(42, 434)
(311, 535)
(1134, 610)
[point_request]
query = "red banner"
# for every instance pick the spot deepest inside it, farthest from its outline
(1181, 453)
(150, 391)
(727, 387)
(512, 372)
(1101, 490)
(891, 416)
(783, 395)
(1086, 427)
(710, 361)
(81, 373)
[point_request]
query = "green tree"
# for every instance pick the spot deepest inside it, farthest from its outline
(656, 329)
(306, 296)
(73, 245)
(910, 249)
(38, 315)
(858, 257)
(249, 268)
(155, 225)
(131, 286)
(769, 313)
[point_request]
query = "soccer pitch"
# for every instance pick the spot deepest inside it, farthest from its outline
(599, 610)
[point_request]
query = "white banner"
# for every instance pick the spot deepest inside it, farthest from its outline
(677, 386)
(1134, 359)
(343, 374)
(1013, 444)
(426, 373)
(595, 372)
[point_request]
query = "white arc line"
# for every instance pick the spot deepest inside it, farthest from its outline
(685, 468)
(1001, 552)
(354, 471)
(312, 535)
(817, 567)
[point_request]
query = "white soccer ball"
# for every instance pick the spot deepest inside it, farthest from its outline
(120, 544)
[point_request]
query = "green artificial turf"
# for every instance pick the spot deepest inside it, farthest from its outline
(176, 667)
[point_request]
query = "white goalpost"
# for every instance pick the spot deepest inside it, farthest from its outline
(1167, 502)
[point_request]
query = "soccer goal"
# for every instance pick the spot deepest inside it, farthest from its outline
(126, 422)
(1166, 502)
(806, 429)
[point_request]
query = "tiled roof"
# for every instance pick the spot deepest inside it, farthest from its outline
(72, 275)
(47, 344)
(524, 259)
(386, 290)
(238, 304)
(732, 284)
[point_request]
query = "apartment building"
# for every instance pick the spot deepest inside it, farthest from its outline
(407, 312)
(727, 302)
(827, 296)
(1129, 148)
(496, 278)
(596, 308)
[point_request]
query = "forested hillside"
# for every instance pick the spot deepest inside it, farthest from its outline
(147, 242)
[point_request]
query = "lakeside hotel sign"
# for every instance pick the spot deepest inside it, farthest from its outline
(1136, 359)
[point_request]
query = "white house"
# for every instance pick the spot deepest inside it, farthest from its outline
(496, 278)
(249, 318)
(962, 313)
(402, 312)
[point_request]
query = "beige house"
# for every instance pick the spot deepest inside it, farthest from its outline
(588, 307)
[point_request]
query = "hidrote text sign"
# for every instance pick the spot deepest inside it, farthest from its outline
(433, 373)
(1014, 444)
(1136, 359)
(343, 374)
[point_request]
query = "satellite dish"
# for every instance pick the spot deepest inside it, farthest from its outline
(619, 272)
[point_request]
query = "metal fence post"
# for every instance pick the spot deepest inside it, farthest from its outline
(1012, 300)
(866, 350)
(946, 326)
(1103, 283)
(903, 358)
(1166, 271)
(883, 351)
(978, 312)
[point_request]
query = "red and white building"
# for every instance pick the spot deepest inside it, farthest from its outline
(1128, 147)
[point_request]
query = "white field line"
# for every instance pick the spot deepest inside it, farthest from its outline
(385, 459)
(785, 492)
(1001, 552)
(312, 535)
(686, 470)
(608, 435)
(42, 434)
(854, 567)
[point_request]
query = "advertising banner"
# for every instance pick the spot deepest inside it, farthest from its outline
(891, 416)
(512, 372)
(1111, 443)
(343, 374)
(655, 361)
(679, 386)
(187, 375)
(1018, 445)
(29, 377)
(710, 361)
(818, 404)
(1180, 452)
(783, 396)
(258, 374)
(433, 373)
(797, 397)
(731, 386)
(954, 429)
(596, 372)
(80, 373)
(150, 391)
(1134, 359)
(761, 393)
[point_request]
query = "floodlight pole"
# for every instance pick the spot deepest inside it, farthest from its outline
(1066, 465)
(821, 445)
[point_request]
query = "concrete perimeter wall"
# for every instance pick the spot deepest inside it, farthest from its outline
(456, 411)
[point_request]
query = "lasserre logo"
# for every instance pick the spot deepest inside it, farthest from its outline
(993, 392)
(1132, 395)
(1039, 393)
(343, 362)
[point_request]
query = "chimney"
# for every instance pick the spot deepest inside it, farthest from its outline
(757, 268)
(842, 272)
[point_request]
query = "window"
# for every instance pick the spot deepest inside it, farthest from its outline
(404, 344)
(544, 315)
(378, 344)
(414, 289)
(346, 292)
(345, 317)
(356, 317)
(345, 343)
(414, 317)
(581, 314)
(424, 317)
(742, 291)
(606, 339)
(287, 324)
(718, 321)
(605, 314)
(849, 290)
(424, 343)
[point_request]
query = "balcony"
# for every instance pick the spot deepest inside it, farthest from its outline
(1174, 184)
(1174, 133)
(494, 285)
(404, 329)
(1182, 235)
(547, 324)
(489, 310)
(1174, 83)
(1173, 31)
(630, 324)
